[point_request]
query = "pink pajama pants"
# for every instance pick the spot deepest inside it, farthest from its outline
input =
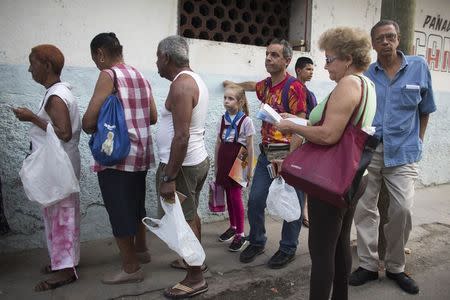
(62, 230)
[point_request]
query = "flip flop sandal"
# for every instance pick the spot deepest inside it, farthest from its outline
(188, 291)
(181, 265)
(48, 285)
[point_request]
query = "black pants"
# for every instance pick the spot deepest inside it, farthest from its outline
(124, 196)
(329, 248)
(4, 228)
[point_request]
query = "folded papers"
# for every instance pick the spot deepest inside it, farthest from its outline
(268, 114)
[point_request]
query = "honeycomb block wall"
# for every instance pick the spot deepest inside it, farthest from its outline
(248, 22)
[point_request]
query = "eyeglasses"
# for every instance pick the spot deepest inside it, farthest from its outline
(390, 37)
(329, 60)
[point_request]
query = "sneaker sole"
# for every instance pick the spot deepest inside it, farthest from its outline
(221, 240)
(246, 261)
(237, 250)
(281, 266)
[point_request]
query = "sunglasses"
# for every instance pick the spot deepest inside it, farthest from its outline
(390, 37)
(329, 60)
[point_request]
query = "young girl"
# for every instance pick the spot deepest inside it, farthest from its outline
(236, 130)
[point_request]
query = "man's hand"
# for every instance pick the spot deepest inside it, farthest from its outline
(249, 86)
(167, 191)
(276, 163)
(227, 82)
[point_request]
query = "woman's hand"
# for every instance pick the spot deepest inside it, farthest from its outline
(287, 115)
(284, 126)
(24, 114)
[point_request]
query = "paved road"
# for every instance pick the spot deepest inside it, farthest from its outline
(429, 264)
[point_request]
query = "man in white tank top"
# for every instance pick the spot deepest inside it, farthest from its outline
(184, 162)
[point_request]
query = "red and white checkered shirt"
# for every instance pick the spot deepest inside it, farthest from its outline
(135, 94)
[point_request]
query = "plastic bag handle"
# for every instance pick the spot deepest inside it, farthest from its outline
(150, 223)
(51, 135)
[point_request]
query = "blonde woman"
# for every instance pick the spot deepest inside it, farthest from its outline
(347, 56)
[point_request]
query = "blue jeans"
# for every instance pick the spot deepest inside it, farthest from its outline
(257, 205)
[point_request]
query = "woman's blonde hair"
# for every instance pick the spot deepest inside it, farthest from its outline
(348, 42)
(240, 96)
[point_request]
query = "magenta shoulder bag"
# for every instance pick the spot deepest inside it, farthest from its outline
(332, 173)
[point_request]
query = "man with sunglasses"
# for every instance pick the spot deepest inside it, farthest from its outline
(404, 102)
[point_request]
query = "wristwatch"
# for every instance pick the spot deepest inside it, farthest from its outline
(167, 178)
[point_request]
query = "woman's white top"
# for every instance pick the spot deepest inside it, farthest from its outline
(38, 136)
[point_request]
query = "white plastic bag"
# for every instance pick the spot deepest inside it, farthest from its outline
(282, 201)
(176, 233)
(47, 174)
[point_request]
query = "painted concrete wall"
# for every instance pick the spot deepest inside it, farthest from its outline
(432, 41)
(72, 24)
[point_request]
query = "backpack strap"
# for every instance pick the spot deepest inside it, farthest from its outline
(311, 102)
(114, 81)
(285, 93)
(267, 85)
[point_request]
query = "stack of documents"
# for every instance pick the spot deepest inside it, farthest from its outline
(268, 114)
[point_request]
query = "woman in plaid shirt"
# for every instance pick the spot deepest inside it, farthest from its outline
(123, 185)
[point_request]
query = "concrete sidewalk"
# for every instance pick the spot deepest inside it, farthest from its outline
(227, 277)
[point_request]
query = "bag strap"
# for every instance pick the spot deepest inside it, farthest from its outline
(358, 114)
(311, 102)
(285, 93)
(267, 85)
(114, 81)
(359, 111)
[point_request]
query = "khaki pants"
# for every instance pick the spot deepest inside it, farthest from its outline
(400, 185)
(189, 181)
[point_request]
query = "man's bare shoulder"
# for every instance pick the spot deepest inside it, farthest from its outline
(184, 84)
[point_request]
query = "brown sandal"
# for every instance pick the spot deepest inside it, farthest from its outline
(47, 269)
(46, 285)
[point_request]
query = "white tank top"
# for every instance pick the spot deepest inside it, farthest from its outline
(38, 136)
(196, 150)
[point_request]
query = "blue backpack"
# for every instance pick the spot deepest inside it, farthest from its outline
(110, 143)
(311, 101)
